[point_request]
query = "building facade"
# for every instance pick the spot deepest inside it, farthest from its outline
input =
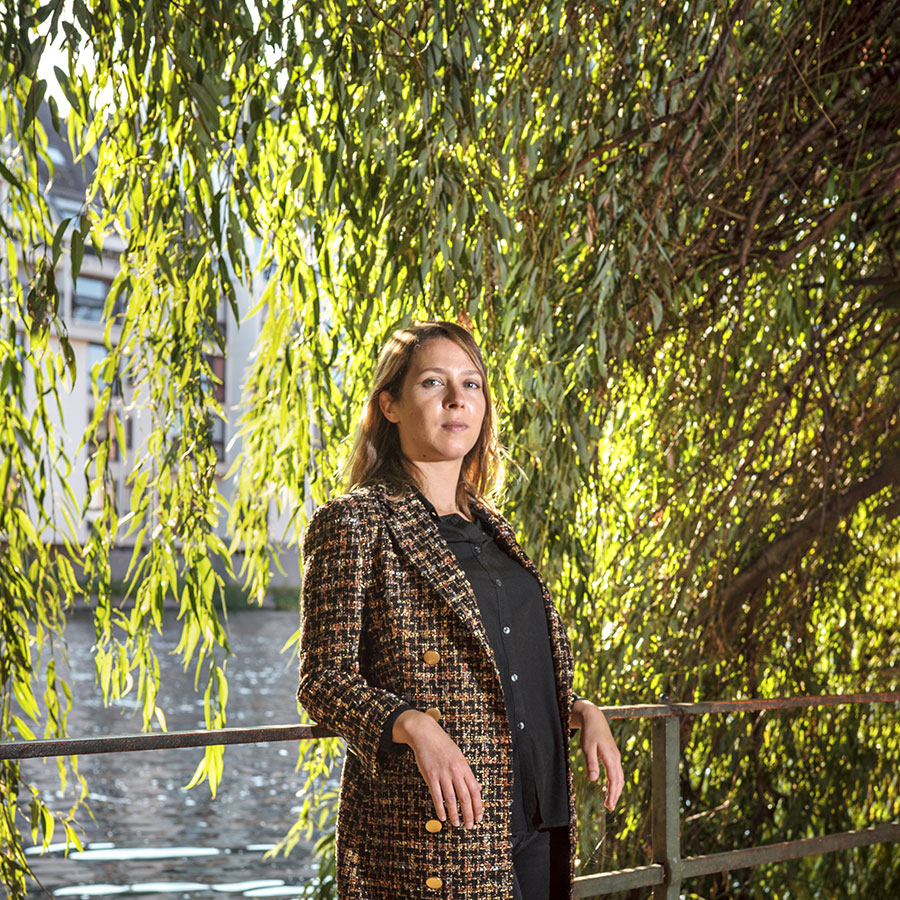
(82, 300)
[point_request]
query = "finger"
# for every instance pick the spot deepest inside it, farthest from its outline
(477, 803)
(438, 799)
(451, 801)
(590, 759)
(612, 797)
(616, 778)
(466, 805)
(619, 787)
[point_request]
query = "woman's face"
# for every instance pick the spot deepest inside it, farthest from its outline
(441, 404)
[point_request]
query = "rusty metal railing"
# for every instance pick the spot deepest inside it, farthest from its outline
(668, 869)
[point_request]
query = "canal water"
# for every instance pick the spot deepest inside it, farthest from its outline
(147, 834)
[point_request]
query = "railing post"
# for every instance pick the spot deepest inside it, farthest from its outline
(666, 803)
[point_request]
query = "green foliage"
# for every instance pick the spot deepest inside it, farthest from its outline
(38, 579)
(673, 229)
(318, 761)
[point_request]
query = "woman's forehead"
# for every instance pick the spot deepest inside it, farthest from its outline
(443, 353)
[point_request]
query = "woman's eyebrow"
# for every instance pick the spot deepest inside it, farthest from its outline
(446, 371)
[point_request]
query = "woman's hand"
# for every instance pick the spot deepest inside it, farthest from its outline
(444, 768)
(599, 746)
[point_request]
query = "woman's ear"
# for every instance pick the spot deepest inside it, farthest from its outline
(386, 404)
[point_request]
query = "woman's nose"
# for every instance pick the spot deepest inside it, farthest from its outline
(453, 397)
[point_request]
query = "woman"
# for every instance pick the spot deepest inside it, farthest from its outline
(429, 642)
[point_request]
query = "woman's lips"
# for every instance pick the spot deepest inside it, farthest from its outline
(455, 426)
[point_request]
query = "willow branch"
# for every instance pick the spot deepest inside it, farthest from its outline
(777, 555)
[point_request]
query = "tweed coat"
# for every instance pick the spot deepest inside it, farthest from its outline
(387, 617)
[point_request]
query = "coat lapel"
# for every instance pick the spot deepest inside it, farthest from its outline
(420, 541)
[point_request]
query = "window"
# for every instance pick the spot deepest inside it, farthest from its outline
(106, 427)
(67, 207)
(222, 315)
(215, 383)
(97, 353)
(89, 297)
(100, 493)
(218, 438)
(217, 367)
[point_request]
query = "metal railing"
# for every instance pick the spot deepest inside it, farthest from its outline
(668, 869)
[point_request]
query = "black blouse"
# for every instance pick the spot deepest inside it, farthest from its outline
(512, 610)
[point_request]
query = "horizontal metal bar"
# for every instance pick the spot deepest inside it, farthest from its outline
(160, 741)
(647, 876)
(585, 886)
(757, 856)
(174, 739)
(621, 880)
(717, 707)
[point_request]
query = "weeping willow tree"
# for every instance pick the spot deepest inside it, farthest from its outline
(674, 230)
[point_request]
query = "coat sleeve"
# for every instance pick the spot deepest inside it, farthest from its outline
(338, 573)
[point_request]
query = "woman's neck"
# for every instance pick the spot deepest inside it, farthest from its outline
(438, 482)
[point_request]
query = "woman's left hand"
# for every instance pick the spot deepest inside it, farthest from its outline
(599, 746)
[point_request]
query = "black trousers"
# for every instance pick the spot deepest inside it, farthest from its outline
(541, 864)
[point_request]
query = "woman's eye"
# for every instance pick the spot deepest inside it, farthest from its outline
(429, 382)
(473, 384)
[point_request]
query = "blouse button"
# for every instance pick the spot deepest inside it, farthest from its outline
(514, 677)
(434, 882)
(431, 657)
(506, 629)
(433, 825)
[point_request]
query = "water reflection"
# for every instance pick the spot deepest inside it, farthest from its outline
(148, 835)
(91, 890)
(260, 888)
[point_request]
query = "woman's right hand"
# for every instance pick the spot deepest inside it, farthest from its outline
(444, 768)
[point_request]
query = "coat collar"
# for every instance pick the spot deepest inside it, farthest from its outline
(418, 537)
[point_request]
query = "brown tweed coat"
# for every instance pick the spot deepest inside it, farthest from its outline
(388, 616)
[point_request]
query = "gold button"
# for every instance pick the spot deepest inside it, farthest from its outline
(434, 882)
(434, 712)
(433, 825)
(431, 657)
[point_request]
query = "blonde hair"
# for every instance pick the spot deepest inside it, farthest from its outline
(377, 458)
